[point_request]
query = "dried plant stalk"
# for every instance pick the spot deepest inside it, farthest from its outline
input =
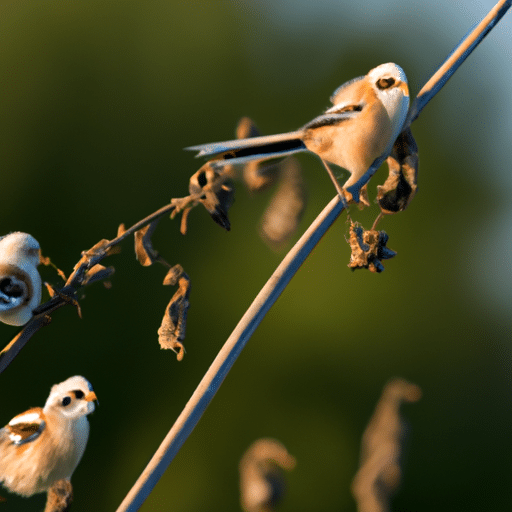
(262, 481)
(382, 445)
(282, 216)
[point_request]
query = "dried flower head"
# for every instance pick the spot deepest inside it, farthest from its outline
(368, 248)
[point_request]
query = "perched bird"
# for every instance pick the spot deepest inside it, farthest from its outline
(43, 445)
(20, 283)
(366, 118)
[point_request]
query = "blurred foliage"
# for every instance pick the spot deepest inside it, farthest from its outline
(97, 101)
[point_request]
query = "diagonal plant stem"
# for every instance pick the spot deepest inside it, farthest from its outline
(468, 43)
(228, 354)
(232, 348)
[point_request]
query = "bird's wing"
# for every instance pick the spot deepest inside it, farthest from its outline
(333, 117)
(26, 427)
(253, 148)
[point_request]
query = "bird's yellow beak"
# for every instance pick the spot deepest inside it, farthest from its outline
(91, 396)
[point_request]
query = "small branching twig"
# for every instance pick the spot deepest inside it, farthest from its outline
(209, 187)
(87, 270)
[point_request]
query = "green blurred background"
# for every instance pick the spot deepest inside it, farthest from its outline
(97, 100)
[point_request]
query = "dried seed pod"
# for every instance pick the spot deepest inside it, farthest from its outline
(402, 183)
(368, 248)
(172, 329)
(257, 176)
(216, 194)
(144, 251)
(20, 283)
(284, 212)
(262, 482)
(97, 273)
(380, 470)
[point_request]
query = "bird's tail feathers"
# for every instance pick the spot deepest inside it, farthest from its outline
(253, 148)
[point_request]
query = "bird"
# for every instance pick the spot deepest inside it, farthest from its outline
(20, 282)
(43, 445)
(357, 131)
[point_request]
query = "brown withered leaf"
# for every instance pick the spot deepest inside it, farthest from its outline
(99, 247)
(97, 273)
(144, 251)
(121, 230)
(246, 129)
(47, 262)
(184, 219)
(50, 289)
(402, 183)
(368, 248)
(216, 194)
(382, 445)
(59, 496)
(172, 276)
(284, 212)
(262, 481)
(257, 175)
(172, 329)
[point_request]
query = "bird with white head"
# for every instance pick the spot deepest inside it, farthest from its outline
(360, 129)
(44, 445)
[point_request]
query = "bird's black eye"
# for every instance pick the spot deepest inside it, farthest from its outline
(66, 401)
(79, 394)
(385, 83)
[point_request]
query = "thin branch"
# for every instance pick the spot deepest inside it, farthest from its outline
(462, 51)
(232, 348)
(142, 223)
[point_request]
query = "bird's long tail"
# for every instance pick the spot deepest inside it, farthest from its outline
(254, 148)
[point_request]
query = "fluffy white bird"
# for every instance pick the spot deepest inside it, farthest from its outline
(20, 283)
(43, 445)
(366, 118)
